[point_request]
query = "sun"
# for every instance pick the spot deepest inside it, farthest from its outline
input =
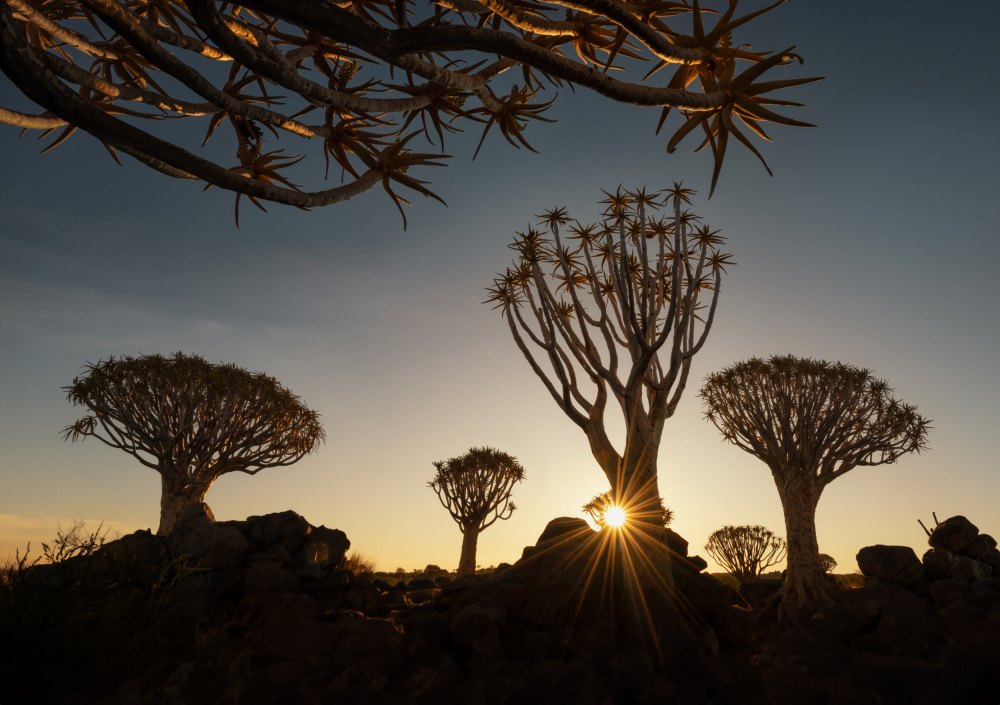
(614, 516)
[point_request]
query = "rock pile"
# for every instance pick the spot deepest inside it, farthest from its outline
(958, 552)
(263, 611)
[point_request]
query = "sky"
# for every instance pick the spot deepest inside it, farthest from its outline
(875, 243)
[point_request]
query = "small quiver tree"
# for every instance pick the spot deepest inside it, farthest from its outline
(745, 551)
(617, 317)
(475, 489)
(191, 421)
(599, 505)
(811, 421)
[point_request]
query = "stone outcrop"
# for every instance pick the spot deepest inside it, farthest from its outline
(201, 616)
(896, 564)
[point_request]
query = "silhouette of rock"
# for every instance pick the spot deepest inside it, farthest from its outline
(953, 534)
(567, 623)
(936, 562)
(897, 564)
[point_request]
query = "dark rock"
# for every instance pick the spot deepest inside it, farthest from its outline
(212, 547)
(953, 534)
(475, 628)
(381, 585)
(265, 580)
(944, 592)
(442, 580)
(695, 563)
(965, 568)
(677, 543)
(564, 531)
(992, 559)
(196, 511)
(286, 528)
(421, 584)
(936, 562)
(276, 554)
(981, 546)
(907, 625)
(897, 564)
(321, 547)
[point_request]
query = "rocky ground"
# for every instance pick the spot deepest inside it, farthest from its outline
(260, 611)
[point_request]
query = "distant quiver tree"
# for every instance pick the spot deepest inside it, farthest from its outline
(475, 489)
(617, 317)
(360, 79)
(745, 551)
(811, 421)
(191, 421)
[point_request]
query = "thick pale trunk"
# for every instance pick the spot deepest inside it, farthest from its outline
(467, 562)
(804, 578)
(175, 496)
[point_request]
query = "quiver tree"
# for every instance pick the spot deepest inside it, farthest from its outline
(810, 421)
(361, 79)
(745, 551)
(617, 316)
(191, 421)
(475, 489)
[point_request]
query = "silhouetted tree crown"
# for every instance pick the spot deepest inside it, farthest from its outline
(191, 421)
(805, 415)
(745, 551)
(362, 79)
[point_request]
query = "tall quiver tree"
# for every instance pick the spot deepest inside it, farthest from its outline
(191, 421)
(811, 422)
(619, 316)
(475, 489)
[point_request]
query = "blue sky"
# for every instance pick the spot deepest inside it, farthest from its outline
(875, 243)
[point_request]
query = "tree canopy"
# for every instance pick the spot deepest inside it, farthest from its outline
(745, 551)
(364, 77)
(191, 420)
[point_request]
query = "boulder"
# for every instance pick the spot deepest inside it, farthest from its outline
(421, 584)
(323, 548)
(677, 543)
(953, 534)
(966, 568)
(286, 528)
(936, 562)
(980, 547)
(992, 559)
(211, 547)
(896, 564)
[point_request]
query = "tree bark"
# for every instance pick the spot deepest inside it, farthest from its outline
(803, 586)
(175, 496)
(470, 539)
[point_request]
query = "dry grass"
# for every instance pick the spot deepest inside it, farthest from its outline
(851, 581)
(361, 564)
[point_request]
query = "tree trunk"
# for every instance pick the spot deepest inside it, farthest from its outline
(175, 496)
(467, 562)
(803, 586)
